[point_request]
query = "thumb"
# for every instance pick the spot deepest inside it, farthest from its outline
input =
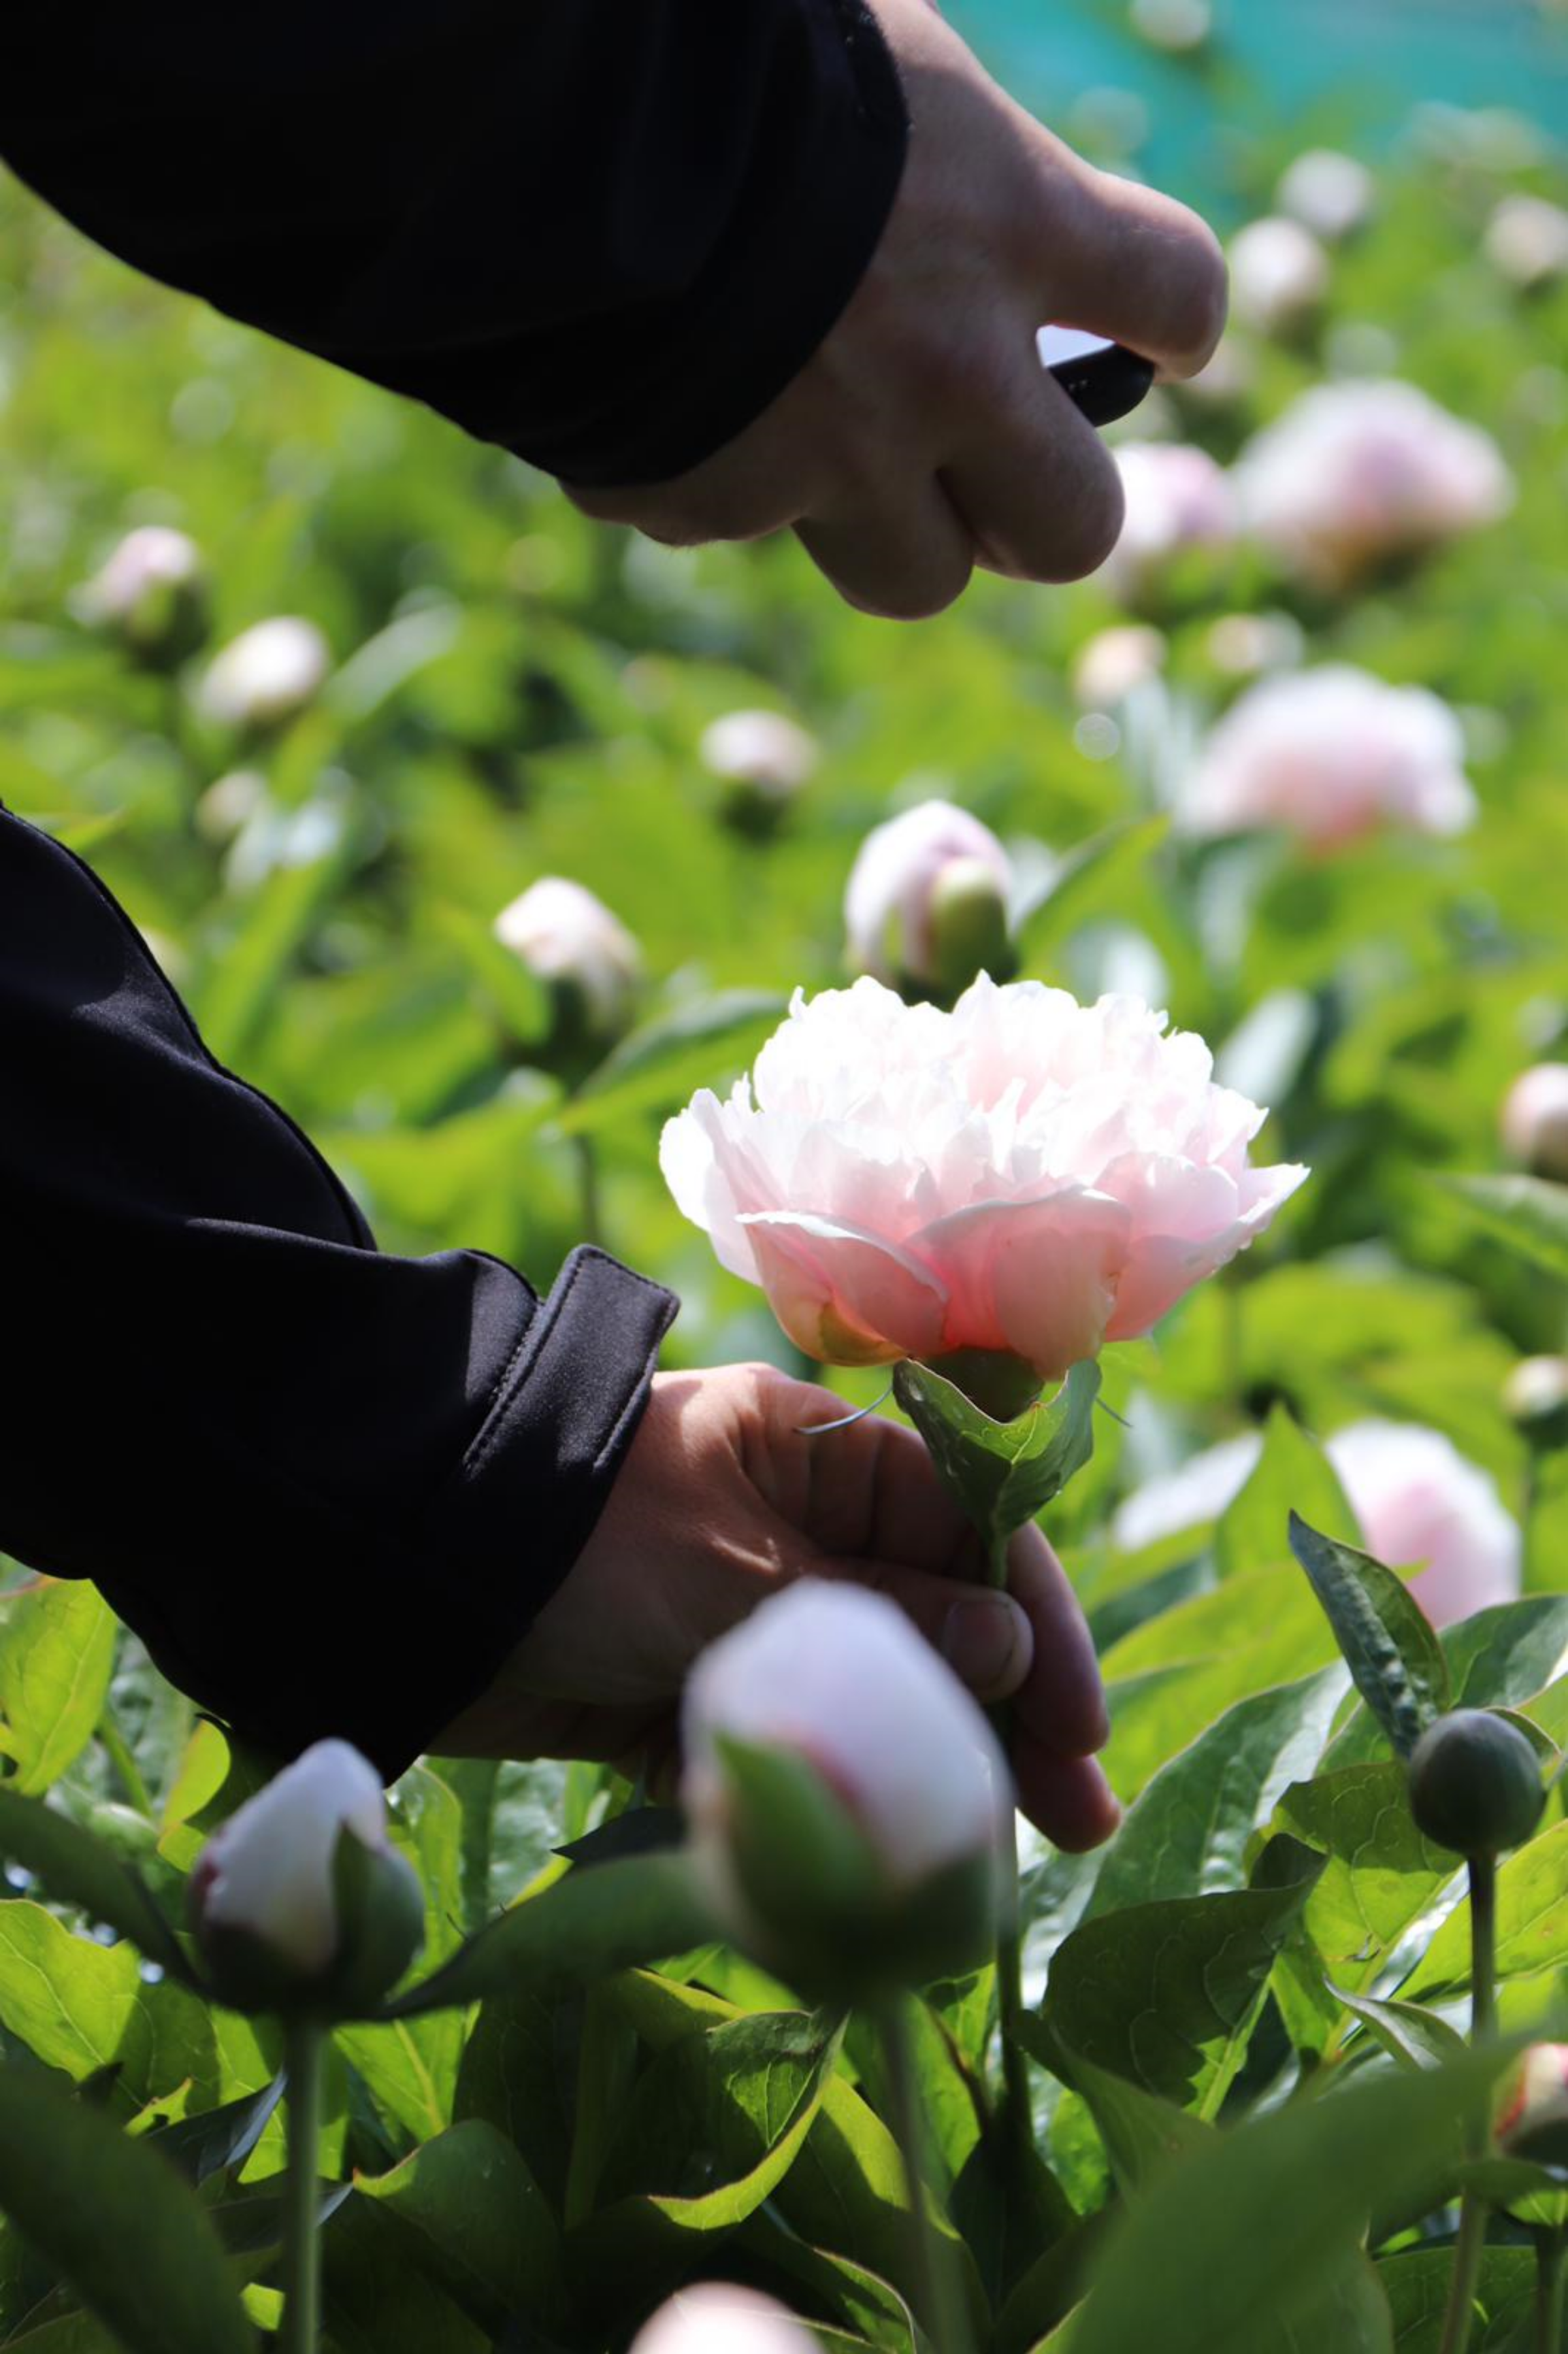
(985, 1636)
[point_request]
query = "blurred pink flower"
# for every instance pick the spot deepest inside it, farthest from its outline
(561, 932)
(1117, 661)
(1023, 1174)
(1329, 193)
(1358, 472)
(899, 873)
(1279, 274)
(716, 2319)
(764, 749)
(267, 673)
(1330, 755)
(1535, 1119)
(1177, 498)
(1527, 239)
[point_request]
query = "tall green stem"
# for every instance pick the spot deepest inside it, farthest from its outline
(1470, 2245)
(1009, 1947)
(943, 2310)
(1549, 2255)
(305, 2053)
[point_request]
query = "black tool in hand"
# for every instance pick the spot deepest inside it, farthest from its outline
(1104, 379)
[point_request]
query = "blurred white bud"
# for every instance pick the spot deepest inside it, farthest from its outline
(568, 937)
(1329, 193)
(1178, 498)
(846, 1795)
(716, 2319)
(229, 804)
(1244, 645)
(1535, 1121)
(1279, 274)
(266, 675)
(1535, 1399)
(1230, 378)
(1356, 473)
(763, 749)
(1330, 755)
(1116, 662)
(1176, 26)
(1527, 240)
(902, 886)
(265, 1892)
(150, 591)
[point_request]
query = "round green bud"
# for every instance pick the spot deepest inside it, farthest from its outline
(1475, 1783)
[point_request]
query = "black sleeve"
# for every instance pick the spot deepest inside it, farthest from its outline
(329, 1488)
(604, 233)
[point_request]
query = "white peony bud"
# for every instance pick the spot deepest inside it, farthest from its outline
(1243, 645)
(265, 1892)
(1330, 755)
(1115, 663)
(846, 1794)
(1535, 1121)
(716, 2319)
(1527, 240)
(928, 889)
(150, 592)
(1330, 194)
(567, 935)
(1279, 275)
(1177, 26)
(761, 749)
(229, 804)
(266, 675)
(1178, 498)
(1535, 1399)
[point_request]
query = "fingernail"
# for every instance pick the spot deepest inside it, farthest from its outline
(983, 1640)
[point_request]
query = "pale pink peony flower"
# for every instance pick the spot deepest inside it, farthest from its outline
(1329, 193)
(1243, 645)
(1330, 755)
(1178, 498)
(1279, 274)
(891, 901)
(715, 2319)
(1356, 473)
(1116, 662)
(148, 560)
(1535, 1119)
(1419, 1503)
(840, 1677)
(268, 1870)
(563, 933)
(763, 749)
(267, 673)
(1023, 1174)
(1527, 239)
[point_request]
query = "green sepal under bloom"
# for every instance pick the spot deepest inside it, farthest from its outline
(818, 1904)
(1003, 1472)
(967, 924)
(1475, 1783)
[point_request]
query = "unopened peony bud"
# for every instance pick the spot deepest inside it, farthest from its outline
(1243, 645)
(1535, 1121)
(567, 935)
(763, 758)
(229, 804)
(1535, 1398)
(1527, 240)
(266, 675)
(152, 593)
(903, 927)
(1279, 275)
(1475, 1783)
(1178, 26)
(715, 2319)
(1330, 194)
(1178, 499)
(299, 1902)
(1115, 663)
(1533, 2114)
(846, 1794)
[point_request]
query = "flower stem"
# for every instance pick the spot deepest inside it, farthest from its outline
(304, 2052)
(1549, 2254)
(1016, 2113)
(943, 2310)
(590, 1218)
(1470, 2245)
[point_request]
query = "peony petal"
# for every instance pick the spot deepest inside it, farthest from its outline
(842, 1294)
(1037, 1279)
(1189, 1220)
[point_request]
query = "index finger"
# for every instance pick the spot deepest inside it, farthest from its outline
(1124, 261)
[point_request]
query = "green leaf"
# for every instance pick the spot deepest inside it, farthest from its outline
(1388, 1642)
(1415, 2283)
(55, 1660)
(492, 2242)
(1010, 2208)
(1292, 1474)
(1382, 1874)
(218, 2140)
(581, 1927)
(665, 1059)
(1406, 2030)
(382, 2290)
(517, 2072)
(116, 2222)
(636, 1830)
(1188, 1832)
(1531, 1922)
(1167, 1994)
(1499, 1658)
(1093, 873)
(1529, 1213)
(520, 998)
(1231, 2247)
(75, 2004)
(77, 1868)
(1002, 1473)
